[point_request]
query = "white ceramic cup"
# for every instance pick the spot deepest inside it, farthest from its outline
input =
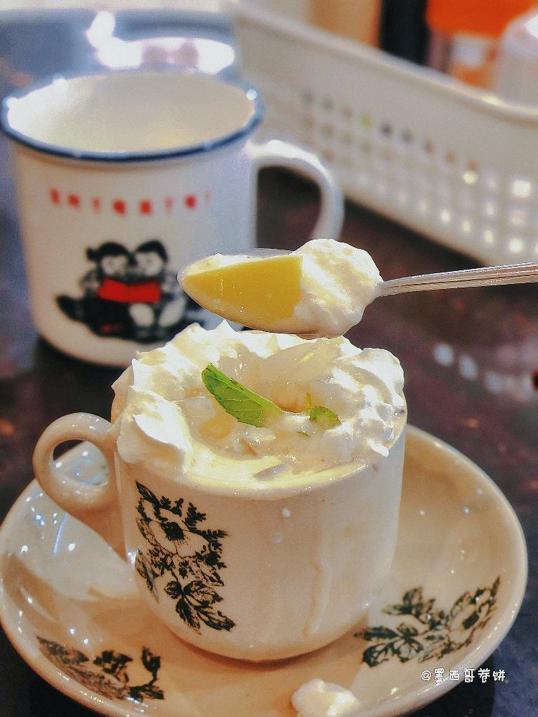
(254, 574)
(123, 179)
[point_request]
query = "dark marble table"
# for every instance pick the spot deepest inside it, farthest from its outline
(471, 364)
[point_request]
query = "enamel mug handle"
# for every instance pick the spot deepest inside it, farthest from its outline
(278, 153)
(94, 505)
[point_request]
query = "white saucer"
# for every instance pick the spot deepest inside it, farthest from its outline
(69, 606)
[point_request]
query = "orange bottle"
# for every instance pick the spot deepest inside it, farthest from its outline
(465, 33)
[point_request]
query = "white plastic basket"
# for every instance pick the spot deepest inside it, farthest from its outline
(456, 164)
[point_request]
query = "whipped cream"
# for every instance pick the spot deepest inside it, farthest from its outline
(317, 698)
(164, 417)
(338, 282)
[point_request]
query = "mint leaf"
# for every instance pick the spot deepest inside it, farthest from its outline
(324, 416)
(249, 407)
(238, 400)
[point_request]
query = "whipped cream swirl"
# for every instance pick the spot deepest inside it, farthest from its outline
(164, 416)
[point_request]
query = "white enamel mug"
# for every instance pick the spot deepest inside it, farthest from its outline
(123, 179)
(256, 574)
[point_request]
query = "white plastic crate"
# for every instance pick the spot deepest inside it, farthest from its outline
(457, 164)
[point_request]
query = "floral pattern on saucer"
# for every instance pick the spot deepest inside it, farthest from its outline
(434, 632)
(107, 674)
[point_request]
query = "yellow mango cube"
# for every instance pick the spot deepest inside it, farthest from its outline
(261, 293)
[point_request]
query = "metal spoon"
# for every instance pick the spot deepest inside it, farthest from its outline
(523, 273)
(484, 276)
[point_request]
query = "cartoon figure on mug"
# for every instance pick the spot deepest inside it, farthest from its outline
(157, 316)
(130, 295)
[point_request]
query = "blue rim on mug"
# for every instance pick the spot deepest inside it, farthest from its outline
(124, 157)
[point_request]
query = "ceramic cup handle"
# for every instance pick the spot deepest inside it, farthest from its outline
(94, 505)
(276, 152)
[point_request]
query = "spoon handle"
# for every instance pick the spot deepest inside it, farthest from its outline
(484, 276)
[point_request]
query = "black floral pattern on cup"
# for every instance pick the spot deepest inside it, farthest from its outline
(187, 555)
(107, 674)
(433, 632)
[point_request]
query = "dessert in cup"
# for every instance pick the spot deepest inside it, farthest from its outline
(256, 485)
